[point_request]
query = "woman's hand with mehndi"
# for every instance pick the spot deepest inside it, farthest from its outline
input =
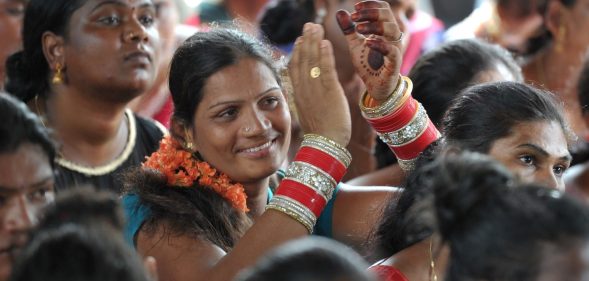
(318, 95)
(375, 42)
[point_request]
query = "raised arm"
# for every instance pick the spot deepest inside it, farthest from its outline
(375, 43)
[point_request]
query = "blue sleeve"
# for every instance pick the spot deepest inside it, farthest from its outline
(324, 225)
(136, 214)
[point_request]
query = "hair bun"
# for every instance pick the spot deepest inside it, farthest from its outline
(461, 182)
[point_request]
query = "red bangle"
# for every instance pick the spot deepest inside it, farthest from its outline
(414, 148)
(323, 161)
(396, 120)
(302, 194)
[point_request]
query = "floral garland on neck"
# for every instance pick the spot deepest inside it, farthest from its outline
(181, 169)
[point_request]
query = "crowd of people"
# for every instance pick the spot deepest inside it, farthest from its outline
(139, 144)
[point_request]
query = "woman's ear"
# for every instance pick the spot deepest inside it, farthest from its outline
(181, 132)
(53, 49)
(553, 19)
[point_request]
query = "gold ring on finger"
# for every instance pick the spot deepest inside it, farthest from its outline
(315, 72)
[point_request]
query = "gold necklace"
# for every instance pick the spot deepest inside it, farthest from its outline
(432, 270)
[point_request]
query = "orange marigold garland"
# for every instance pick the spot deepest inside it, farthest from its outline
(181, 169)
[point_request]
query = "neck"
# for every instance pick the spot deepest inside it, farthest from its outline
(415, 262)
(555, 71)
(93, 132)
(257, 197)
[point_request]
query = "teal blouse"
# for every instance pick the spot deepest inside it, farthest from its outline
(138, 213)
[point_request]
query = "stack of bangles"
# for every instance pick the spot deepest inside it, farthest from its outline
(311, 180)
(401, 122)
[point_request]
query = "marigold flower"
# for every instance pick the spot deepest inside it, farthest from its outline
(181, 169)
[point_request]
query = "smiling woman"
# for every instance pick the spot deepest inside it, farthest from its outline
(82, 62)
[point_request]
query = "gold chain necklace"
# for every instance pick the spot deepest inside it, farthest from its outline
(432, 270)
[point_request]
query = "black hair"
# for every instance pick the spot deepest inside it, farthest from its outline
(309, 259)
(204, 54)
(583, 87)
(90, 254)
(484, 113)
(497, 229)
(27, 70)
(84, 206)
(283, 22)
(19, 126)
(197, 211)
(441, 74)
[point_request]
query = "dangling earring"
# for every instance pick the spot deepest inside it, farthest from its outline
(188, 145)
(58, 76)
(559, 45)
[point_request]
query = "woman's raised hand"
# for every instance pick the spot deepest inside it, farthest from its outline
(375, 43)
(319, 97)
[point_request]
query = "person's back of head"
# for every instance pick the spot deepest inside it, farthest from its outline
(84, 206)
(441, 74)
(72, 252)
(498, 229)
(309, 259)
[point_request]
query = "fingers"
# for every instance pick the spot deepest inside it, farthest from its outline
(371, 4)
(312, 36)
(377, 18)
(327, 63)
(294, 64)
(372, 15)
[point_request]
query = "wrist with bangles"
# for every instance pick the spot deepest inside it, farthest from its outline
(401, 122)
(311, 179)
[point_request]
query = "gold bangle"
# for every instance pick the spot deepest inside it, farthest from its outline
(407, 165)
(387, 106)
(328, 146)
(293, 209)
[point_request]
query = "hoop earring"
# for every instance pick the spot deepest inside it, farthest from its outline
(58, 76)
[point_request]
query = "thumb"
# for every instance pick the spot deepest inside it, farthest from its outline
(344, 20)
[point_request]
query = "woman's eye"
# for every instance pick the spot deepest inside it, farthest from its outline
(40, 195)
(527, 159)
(559, 170)
(229, 113)
(271, 101)
(147, 20)
(110, 20)
(16, 10)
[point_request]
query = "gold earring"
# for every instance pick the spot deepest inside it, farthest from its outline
(188, 145)
(58, 76)
(560, 38)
